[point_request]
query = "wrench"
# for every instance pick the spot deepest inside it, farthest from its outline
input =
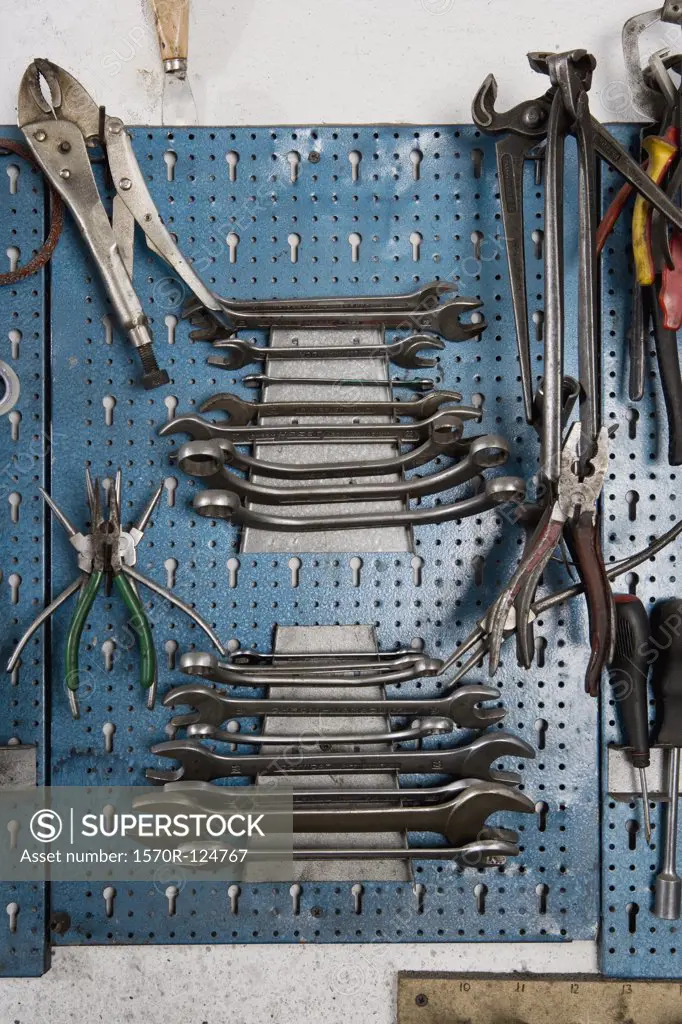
(474, 760)
(420, 299)
(357, 663)
(240, 412)
(647, 101)
(204, 460)
(310, 661)
(404, 352)
(227, 505)
(462, 706)
(442, 319)
(322, 433)
(483, 853)
(443, 441)
(260, 380)
(206, 666)
(418, 730)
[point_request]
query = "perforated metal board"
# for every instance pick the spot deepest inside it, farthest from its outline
(641, 501)
(549, 892)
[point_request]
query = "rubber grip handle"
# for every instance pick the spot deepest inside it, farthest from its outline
(628, 674)
(584, 544)
(140, 624)
(671, 383)
(661, 154)
(85, 602)
(670, 295)
(666, 656)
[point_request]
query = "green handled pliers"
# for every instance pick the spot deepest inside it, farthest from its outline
(107, 554)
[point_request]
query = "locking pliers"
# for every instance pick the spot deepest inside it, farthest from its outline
(60, 132)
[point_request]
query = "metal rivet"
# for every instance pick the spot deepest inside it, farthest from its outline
(65, 147)
(125, 184)
(65, 173)
(40, 135)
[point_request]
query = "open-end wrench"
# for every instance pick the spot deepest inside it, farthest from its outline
(417, 731)
(227, 505)
(203, 460)
(322, 433)
(240, 412)
(204, 796)
(462, 706)
(419, 384)
(480, 854)
(423, 298)
(206, 666)
(475, 760)
(405, 352)
(442, 319)
(356, 663)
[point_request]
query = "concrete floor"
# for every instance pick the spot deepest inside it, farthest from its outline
(255, 984)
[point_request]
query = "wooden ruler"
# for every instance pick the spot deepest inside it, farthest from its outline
(515, 999)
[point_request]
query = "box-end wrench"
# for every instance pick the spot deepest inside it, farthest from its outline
(204, 460)
(475, 760)
(320, 433)
(442, 319)
(443, 441)
(483, 853)
(405, 353)
(250, 657)
(226, 505)
(206, 666)
(418, 384)
(418, 730)
(240, 413)
(462, 706)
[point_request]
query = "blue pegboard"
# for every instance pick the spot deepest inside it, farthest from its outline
(551, 891)
(641, 501)
(25, 442)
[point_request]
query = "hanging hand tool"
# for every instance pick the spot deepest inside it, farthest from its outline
(405, 353)
(628, 674)
(474, 761)
(574, 511)
(666, 680)
(207, 666)
(323, 433)
(441, 318)
(240, 412)
(318, 738)
(480, 854)
(462, 706)
(226, 505)
(204, 460)
(646, 99)
(419, 384)
(107, 551)
(59, 133)
(172, 29)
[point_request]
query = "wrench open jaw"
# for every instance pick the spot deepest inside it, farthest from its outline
(404, 353)
(227, 505)
(204, 461)
(463, 706)
(475, 760)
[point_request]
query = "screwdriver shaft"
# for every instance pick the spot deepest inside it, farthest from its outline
(645, 805)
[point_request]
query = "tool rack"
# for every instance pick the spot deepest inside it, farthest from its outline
(424, 204)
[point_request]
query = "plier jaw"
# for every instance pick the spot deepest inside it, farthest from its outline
(68, 101)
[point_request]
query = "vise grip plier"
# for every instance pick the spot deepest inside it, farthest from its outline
(59, 132)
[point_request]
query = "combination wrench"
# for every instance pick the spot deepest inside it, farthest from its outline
(321, 433)
(462, 706)
(206, 666)
(240, 413)
(204, 460)
(416, 731)
(226, 505)
(475, 760)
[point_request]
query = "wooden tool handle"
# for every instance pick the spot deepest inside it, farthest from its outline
(172, 27)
